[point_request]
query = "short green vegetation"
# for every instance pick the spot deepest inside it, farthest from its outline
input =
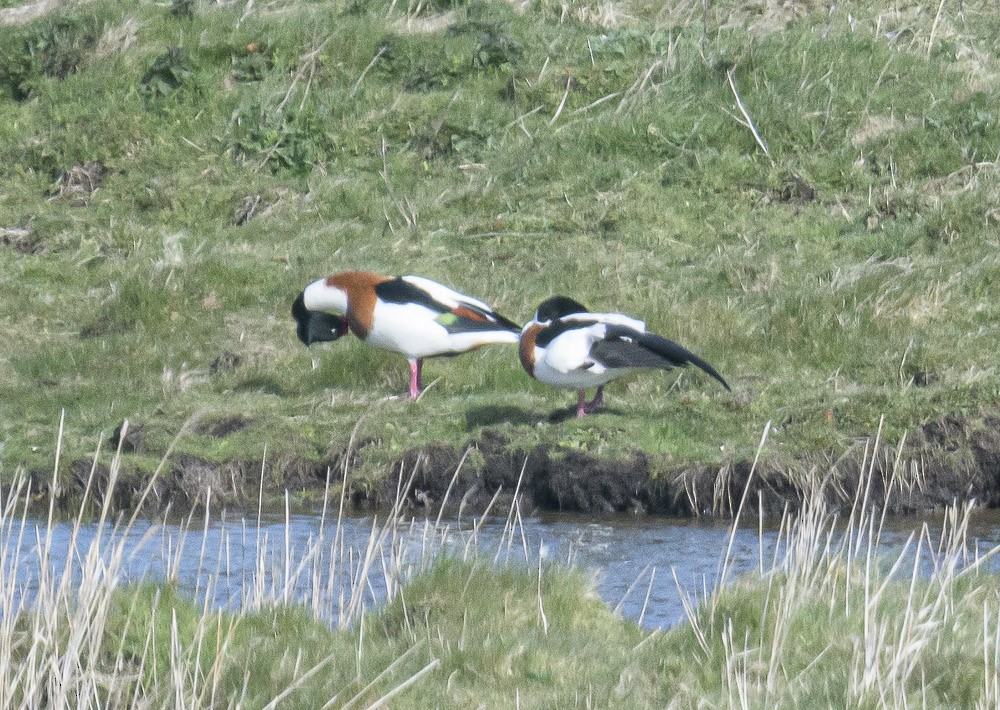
(172, 174)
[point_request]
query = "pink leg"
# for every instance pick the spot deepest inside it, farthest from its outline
(581, 403)
(415, 385)
(597, 402)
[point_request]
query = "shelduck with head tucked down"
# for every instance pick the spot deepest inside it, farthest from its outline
(409, 315)
(567, 346)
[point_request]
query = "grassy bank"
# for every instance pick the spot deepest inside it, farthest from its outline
(805, 196)
(823, 621)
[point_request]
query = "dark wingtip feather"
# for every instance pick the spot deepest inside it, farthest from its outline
(711, 371)
(679, 355)
(507, 323)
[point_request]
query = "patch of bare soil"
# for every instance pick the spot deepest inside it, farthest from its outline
(79, 183)
(953, 458)
(185, 484)
(21, 240)
(545, 478)
(223, 427)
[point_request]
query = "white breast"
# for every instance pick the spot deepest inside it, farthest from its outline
(565, 361)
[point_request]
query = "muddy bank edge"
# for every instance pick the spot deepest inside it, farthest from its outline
(953, 458)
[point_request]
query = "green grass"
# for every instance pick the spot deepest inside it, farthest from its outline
(596, 152)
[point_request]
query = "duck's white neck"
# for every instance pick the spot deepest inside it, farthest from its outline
(319, 296)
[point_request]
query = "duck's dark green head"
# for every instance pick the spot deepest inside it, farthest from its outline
(556, 307)
(316, 326)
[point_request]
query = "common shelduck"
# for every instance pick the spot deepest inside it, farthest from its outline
(567, 346)
(410, 315)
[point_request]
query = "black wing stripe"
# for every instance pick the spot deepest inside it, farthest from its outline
(467, 325)
(557, 328)
(623, 354)
(400, 291)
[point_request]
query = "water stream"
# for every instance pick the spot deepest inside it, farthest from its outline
(235, 561)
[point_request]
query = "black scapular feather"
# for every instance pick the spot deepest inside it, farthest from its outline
(399, 291)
